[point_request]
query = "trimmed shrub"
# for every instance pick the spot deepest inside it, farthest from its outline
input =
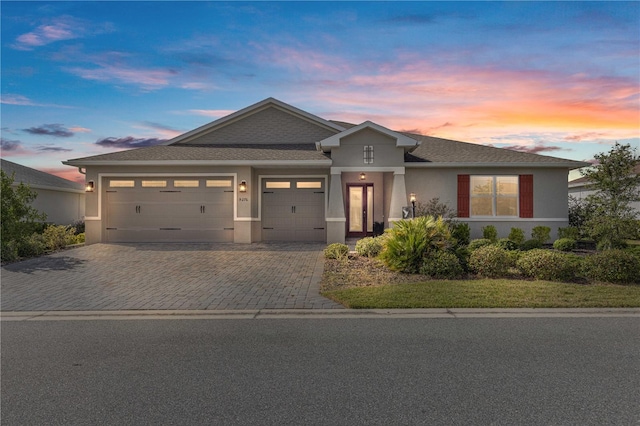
(460, 232)
(507, 244)
(564, 244)
(517, 236)
(476, 244)
(369, 247)
(490, 232)
(336, 251)
(549, 265)
(35, 245)
(441, 265)
(541, 233)
(612, 266)
(569, 232)
(57, 237)
(531, 244)
(489, 261)
(409, 240)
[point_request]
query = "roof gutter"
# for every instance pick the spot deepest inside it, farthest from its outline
(561, 164)
(256, 163)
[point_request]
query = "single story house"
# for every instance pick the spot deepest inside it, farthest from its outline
(272, 172)
(62, 200)
(580, 188)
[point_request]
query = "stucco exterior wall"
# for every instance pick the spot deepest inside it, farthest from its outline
(61, 208)
(550, 199)
(351, 151)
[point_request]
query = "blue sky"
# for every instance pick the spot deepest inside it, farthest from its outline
(85, 78)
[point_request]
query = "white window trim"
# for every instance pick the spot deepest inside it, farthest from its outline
(494, 197)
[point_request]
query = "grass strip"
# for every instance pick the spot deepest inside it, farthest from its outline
(488, 293)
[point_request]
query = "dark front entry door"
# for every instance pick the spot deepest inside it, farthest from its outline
(360, 207)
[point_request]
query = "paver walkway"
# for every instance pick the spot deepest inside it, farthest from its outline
(168, 276)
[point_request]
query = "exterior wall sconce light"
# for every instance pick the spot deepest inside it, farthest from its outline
(412, 198)
(363, 176)
(89, 186)
(243, 186)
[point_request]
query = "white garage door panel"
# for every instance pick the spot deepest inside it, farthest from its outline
(169, 214)
(293, 214)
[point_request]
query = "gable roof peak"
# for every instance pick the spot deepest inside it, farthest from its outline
(252, 109)
(402, 140)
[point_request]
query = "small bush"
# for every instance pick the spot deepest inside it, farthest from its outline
(441, 265)
(564, 244)
(409, 240)
(612, 266)
(461, 233)
(517, 236)
(531, 244)
(569, 232)
(507, 244)
(35, 245)
(80, 227)
(57, 237)
(336, 251)
(480, 242)
(489, 261)
(549, 265)
(490, 232)
(541, 233)
(80, 238)
(369, 247)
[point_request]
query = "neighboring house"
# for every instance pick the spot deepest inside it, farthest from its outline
(62, 200)
(579, 188)
(272, 172)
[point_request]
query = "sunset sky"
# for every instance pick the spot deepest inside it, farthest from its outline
(86, 78)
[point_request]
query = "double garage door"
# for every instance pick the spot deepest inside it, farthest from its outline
(169, 209)
(293, 209)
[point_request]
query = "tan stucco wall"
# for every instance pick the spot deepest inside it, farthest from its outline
(351, 151)
(550, 200)
(61, 208)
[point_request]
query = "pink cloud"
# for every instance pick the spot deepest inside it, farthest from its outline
(147, 78)
(213, 113)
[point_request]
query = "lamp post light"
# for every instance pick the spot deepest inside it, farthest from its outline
(412, 198)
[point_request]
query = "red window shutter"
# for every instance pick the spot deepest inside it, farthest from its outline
(526, 195)
(463, 195)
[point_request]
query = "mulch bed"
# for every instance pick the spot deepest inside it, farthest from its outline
(360, 271)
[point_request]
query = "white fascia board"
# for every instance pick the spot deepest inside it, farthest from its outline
(562, 165)
(253, 109)
(401, 140)
(256, 163)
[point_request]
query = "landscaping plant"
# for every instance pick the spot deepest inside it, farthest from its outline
(480, 242)
(408, 241)
(517, 236)
(549, 265)
(489, 261)
(612, 266)
(337, 251)
(490, 233)
(441, 265)
(541, 234)
(369, 246)
(565, 244)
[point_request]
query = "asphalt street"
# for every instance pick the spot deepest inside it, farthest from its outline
(334, 371)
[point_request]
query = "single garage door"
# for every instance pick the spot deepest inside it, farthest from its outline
(169, 209)
(293, 210)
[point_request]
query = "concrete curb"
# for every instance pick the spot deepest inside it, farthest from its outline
(318, 314)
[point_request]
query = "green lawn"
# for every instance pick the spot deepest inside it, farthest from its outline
(488, 293)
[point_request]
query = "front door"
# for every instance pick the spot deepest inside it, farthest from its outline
(360, 206)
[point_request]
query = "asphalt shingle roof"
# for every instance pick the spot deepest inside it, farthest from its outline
(35, 177)
(438, 150)
(228, 152)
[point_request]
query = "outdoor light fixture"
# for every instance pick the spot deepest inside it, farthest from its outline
(243, 186)
(363, 176)
(412, 198)
(89, 186)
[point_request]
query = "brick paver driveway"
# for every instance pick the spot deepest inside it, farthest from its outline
(168, 276)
